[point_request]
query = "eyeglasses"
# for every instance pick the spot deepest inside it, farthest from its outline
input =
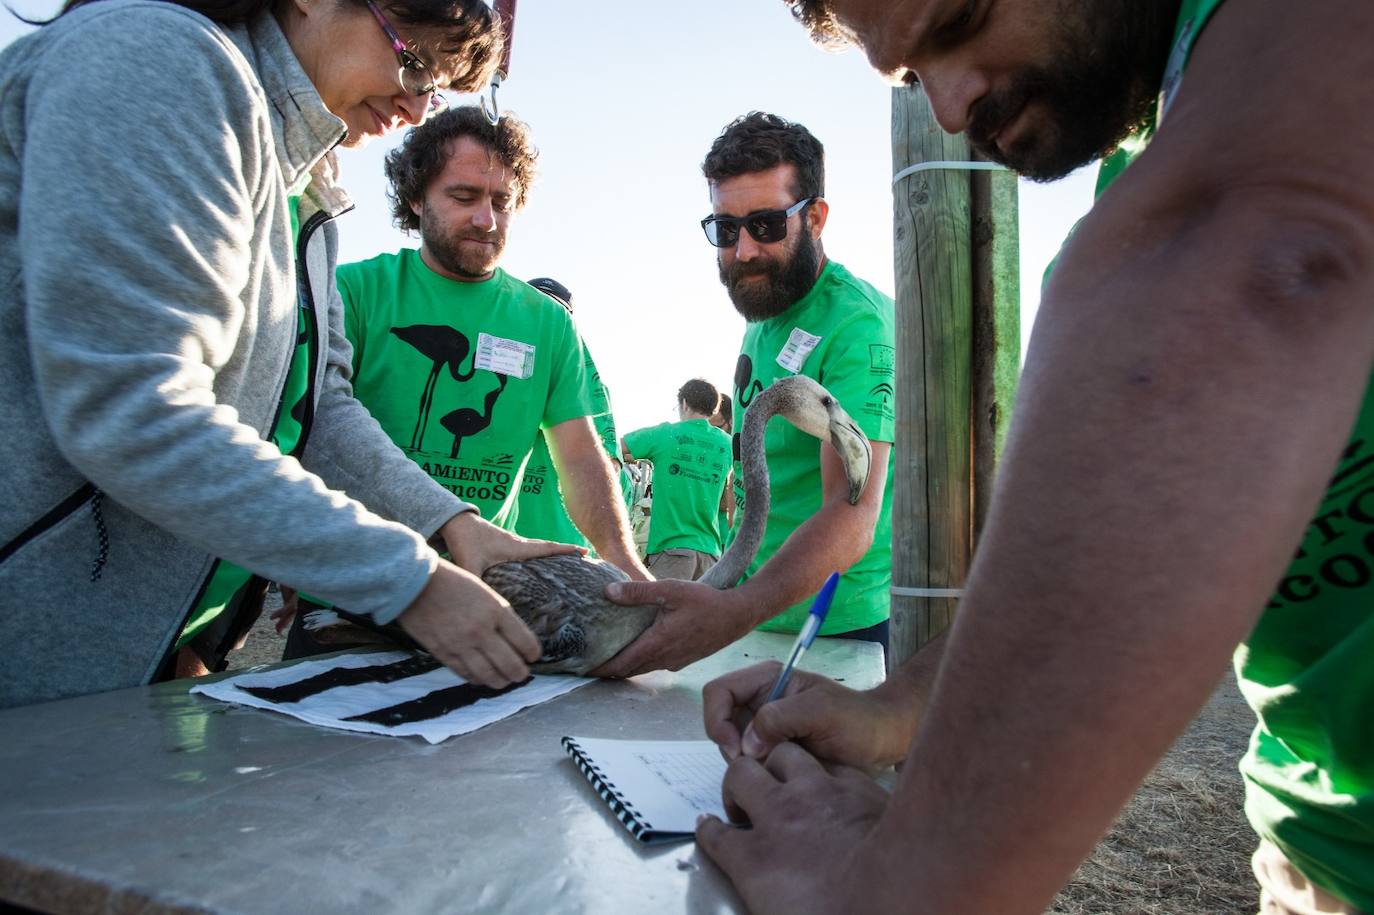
(764, 227)
(415, 76)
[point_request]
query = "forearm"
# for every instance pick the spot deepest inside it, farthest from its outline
(264, 511)
(351, 453)
(594, 505)
(832, 539)
(835, 537)
(906, 693)
(591, 493)
(1168, 449)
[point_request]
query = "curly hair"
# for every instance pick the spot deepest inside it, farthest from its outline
(423, 154)
(472, 42)
(465, 57)
(757, 141)
(699, 395)
(820, 21)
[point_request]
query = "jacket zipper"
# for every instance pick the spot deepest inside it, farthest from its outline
(308, 304)
(55, 516)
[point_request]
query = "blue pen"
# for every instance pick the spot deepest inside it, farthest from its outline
(819, 608)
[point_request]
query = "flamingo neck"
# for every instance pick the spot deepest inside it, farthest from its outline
(754, 467)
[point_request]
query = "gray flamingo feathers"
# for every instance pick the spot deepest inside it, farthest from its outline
(465, 421)
(445, 346)
(562, 600)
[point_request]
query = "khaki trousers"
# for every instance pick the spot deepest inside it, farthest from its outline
(1285, 891)
(688, 565)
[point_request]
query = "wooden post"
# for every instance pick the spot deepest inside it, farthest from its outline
(996, 326)
(958, 349)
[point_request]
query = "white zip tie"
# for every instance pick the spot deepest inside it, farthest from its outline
(945, 163)
(925, 592)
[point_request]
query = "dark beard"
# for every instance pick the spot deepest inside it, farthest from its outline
(1102, 87)
(784, 284)
(446, 253)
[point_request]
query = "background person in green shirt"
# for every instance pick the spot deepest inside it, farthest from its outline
(1190, 466)
(691, 459)
(460, 363)
(806, 315)
(540, 510)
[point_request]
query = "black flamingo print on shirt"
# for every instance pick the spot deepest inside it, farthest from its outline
(445, 346)
(465, 421)
(747, 387)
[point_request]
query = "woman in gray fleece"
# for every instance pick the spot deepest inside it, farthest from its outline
(174, 377)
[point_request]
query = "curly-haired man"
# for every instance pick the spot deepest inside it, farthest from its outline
(461, 363)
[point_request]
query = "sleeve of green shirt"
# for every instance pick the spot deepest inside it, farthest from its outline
(600, 400)
(641, 443)
(854, 370)
(568, 397)
(605, 430)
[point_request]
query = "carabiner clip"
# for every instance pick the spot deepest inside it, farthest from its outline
(505, 16)
(492, 114)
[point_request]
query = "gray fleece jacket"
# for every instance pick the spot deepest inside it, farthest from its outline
(148, 310)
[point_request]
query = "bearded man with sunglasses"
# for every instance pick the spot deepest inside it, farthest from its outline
(810, 316)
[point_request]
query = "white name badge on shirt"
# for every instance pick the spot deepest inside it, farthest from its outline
(798, 346)
(504, 357)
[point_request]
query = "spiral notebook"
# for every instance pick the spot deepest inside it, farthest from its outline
(656, 788)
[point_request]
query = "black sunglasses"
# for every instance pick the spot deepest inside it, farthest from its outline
(764, 227)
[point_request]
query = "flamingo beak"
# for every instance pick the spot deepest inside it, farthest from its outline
(854, 450)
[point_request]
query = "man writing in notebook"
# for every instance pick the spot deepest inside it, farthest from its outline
(1188, 469)
(807, 315)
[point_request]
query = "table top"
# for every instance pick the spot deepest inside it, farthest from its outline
(154, 800)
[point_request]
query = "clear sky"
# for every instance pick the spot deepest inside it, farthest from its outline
(623, 98)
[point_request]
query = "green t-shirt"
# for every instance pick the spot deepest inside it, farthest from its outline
(1307, 669)
(691, 461)
(603, 418)
(840, 334)
(542, 513)
(461, 375)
